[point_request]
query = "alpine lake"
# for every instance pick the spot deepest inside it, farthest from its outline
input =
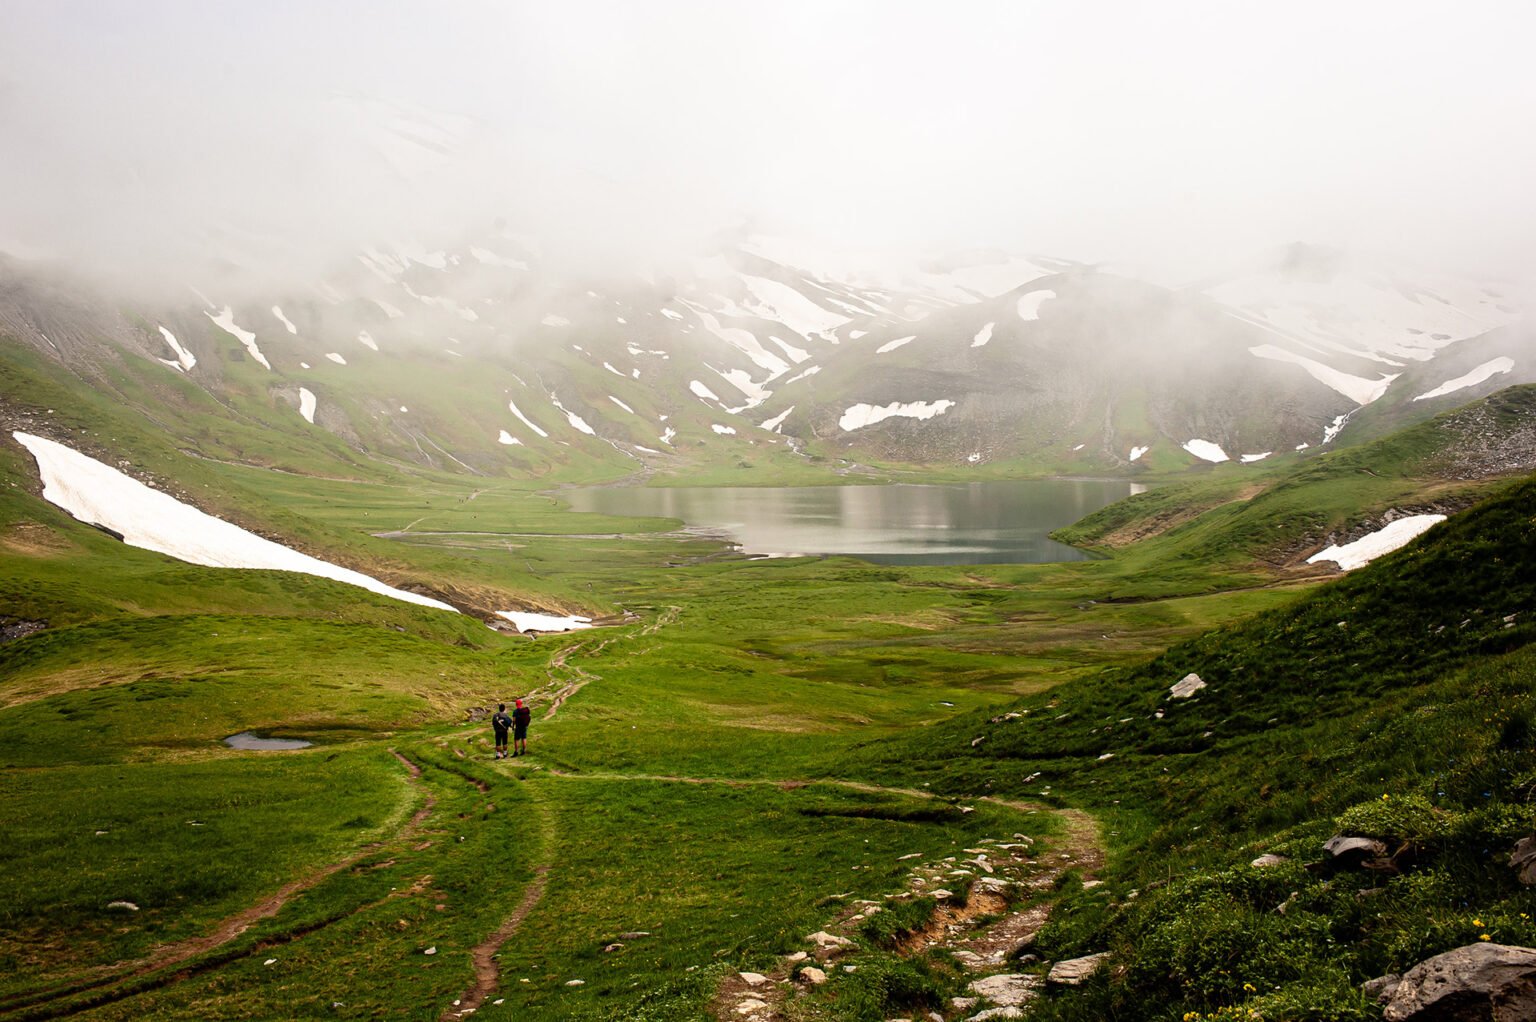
(1001, 522)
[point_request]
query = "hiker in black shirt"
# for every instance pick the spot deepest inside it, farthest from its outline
(520, 718)
(501, 722)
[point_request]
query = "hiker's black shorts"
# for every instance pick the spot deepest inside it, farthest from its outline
(521, 734)
(501, 736)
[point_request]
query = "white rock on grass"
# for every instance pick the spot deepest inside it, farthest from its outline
(122, 906)
(1074, 970)
(575, 982)
(1187, 686)
(824, 940)
(753, 979)
(992, 1013)
(812, 975)
(750, 1006)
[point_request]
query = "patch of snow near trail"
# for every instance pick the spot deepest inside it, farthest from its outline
(389, 310)
(284, 320)
(335, 357)
(774, 423)
(525, 621)
(525, 420)
(893, 345)
(225, 320)
(1471, 379)
(307, 405)
(151, 520)
(1029, 304)
(702, 391)
(666, 437)
(1356, 388)
(621, 404)
(983, 336)
(723, 430)
(776, 301)
(575, 420)
(509, 439)
(1364, 550)
(1206, 451)
(184, 359)
(554, 320)
(366, 339)
(1136, 452)
(672, 315)
(1247, 458)
(860, 415)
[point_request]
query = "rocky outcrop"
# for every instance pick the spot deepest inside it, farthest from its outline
(1476, 983)
(1073, 971)
(1523, 858)
(1186, 686)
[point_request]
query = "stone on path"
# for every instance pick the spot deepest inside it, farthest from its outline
(798, 956)
(1007, 1011)
(1496, 982)
(753, 979)
(812, 975)
(1007, 990)
(1074, 970)
(750, 1005)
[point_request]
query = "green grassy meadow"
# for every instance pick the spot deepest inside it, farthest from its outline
(699, 782)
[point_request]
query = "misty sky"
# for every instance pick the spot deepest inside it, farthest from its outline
(1179, 135)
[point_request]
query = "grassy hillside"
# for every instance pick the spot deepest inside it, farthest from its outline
(1394, 703)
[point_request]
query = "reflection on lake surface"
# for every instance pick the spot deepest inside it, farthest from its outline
(246, 740)
(968, 523)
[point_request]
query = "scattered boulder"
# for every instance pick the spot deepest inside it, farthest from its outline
(1007, 1011)
(825, 941)
(1380, 989)
(575, 982)
(1268, 860)
(122, 906)
(1523, 858)
(753, 979)
(798, 956)
(1186, 686)
(615, 946)
(633, 935)
(812, 975)
(1476, 983)
(1008, 989)
(1347, 851)
(1074, 970)
(750, 1006)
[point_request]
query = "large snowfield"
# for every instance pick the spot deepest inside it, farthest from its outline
(1383, 541)
(99, 494)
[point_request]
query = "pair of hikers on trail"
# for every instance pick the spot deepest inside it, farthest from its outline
(517, 723)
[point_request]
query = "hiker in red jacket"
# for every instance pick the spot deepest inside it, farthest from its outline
(520, 718)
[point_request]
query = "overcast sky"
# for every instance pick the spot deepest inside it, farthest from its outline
(1182, 135)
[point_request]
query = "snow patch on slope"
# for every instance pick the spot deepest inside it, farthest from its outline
(780, 302)
(307, 405)
(893, 345)
(860, 415)
(184, 359)
(1356, 388)
(983, 336)
(1206, 451)
(1029, 304)
(284, 320)
(576, 421)
(512, 406)
(1471, 379)
(1383, 541)
(146, 518)
(225, 320)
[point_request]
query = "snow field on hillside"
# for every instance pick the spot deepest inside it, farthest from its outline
(860, 415)
(1483, 372)
(1383, 541)
(146, 518)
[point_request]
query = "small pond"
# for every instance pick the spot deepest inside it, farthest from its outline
(248, 741)
(1006, 522)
